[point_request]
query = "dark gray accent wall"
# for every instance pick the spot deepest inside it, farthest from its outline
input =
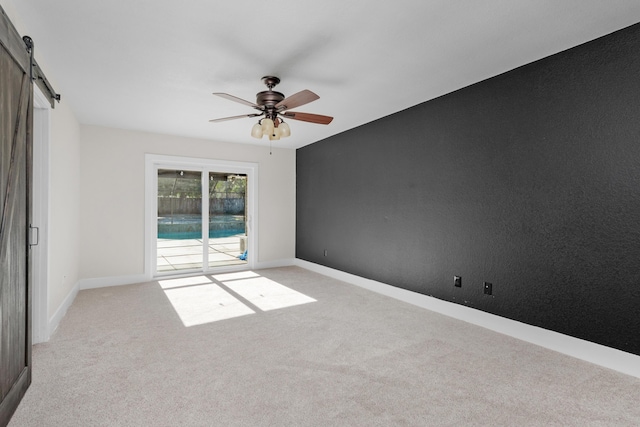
(529, 180)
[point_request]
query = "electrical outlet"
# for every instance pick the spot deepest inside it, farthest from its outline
(488, 288)
(325, 252)
(457, 281)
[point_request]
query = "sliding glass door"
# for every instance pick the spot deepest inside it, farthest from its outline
(227, 219)
(179, 239)
(201, 215)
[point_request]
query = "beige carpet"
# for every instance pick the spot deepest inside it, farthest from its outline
(331, 355)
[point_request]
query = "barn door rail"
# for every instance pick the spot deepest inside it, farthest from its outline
(36, 73)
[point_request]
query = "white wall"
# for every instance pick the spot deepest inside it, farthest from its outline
(112, 196)
(64, 193)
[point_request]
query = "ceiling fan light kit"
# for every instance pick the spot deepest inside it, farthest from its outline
(256, 131)
(272, 105)
(285, 130)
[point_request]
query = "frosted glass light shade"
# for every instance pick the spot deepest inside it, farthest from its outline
(267, 126)
(285, 130)
(275, 134)
(256, 131)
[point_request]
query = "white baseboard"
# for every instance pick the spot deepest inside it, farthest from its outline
(607, 357)
(61, 311)
(274, 264)
(86, 284)
(103, 282)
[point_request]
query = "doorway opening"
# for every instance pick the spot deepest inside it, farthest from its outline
(200, 215)
(39, 242)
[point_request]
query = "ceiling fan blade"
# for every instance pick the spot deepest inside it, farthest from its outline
(234, 117)
(236, 99)
(296, 100)
(308, 117)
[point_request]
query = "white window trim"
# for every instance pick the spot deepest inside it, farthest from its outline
(153, 162)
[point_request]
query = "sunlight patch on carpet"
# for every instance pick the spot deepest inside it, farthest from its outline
(206, 303)
(267, 294)
(235, 276)
(204, 299)
(184, 281)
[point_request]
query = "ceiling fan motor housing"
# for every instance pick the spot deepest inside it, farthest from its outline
(269, 98)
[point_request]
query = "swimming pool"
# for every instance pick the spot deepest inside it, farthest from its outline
(187, 226)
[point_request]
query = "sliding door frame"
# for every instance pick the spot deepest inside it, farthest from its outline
(154, 162)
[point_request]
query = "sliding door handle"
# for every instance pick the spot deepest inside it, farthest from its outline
(34, 235)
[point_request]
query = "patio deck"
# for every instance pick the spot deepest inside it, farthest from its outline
(186, 254)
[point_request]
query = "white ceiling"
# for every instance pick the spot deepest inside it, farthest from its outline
(152, 65)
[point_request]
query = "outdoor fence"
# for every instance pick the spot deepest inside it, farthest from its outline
(188, 205)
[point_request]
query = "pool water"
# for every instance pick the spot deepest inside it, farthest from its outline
(190, 226)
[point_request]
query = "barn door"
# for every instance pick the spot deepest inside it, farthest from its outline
(15, 164)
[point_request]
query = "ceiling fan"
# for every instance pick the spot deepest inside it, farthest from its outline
(274, 107)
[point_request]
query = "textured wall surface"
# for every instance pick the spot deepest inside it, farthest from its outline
(529, 180)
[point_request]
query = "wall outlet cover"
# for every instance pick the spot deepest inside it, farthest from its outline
(488, 288)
